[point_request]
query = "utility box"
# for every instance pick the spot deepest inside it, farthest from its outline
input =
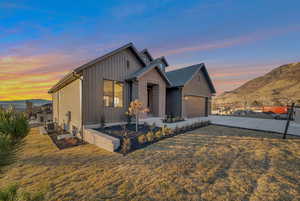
(297, 115)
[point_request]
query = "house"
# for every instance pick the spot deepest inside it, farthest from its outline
(102, 89)
(44, 113)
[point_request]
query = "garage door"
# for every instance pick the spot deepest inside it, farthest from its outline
(195, 106)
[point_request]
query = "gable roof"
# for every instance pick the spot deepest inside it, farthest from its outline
(73, 74)
(129, 45)
(147, 53)
(181, 76)
(162, 59)
(143, 71)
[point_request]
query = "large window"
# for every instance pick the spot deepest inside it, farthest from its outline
(113, 93)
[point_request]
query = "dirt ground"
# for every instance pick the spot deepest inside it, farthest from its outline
(211, 163)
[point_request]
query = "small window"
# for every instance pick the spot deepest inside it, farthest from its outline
(113, 93)
(108, 93)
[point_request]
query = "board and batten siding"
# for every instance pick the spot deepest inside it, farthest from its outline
(66, 100)
(55, 103)
(111, 68)
(198, 87)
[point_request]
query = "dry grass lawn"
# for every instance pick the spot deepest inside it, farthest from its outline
(211, 163)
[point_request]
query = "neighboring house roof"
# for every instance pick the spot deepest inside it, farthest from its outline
(181, 76)
(143, 71)
(72, 75)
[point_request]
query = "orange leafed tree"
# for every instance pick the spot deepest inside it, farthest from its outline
(135, 109)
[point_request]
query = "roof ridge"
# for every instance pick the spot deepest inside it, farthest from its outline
(183, 68)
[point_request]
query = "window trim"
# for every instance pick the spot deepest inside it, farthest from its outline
(113, 96)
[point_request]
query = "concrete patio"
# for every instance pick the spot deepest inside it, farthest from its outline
(268, 125)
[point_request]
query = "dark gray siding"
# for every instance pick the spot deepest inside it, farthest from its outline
(113, 68)
(174, 101)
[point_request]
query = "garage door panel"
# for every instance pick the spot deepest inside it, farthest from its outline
(195, 106)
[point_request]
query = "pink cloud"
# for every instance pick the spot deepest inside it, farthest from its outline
(255, 36)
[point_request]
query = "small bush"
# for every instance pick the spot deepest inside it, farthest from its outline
(126, 146)
(150, 136)
(158, 134)
(168, 131)
(142, 139)
(12, 193)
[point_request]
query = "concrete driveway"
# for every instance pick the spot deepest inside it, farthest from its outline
(270, 125)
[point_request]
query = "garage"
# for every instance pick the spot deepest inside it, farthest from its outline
(195, 106)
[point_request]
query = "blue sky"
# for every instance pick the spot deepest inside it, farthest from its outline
(238, 40)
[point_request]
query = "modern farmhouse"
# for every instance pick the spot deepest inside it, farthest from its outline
(102, 89)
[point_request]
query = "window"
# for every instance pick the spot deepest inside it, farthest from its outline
(108, 93)
(118, 98)
(113, 93)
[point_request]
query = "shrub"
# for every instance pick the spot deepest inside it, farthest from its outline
(126, 145)
(135, 109)
(150, 136)
(142, 139)
(13, 124)
(168, 131)
(13, 129)
(158, 134)
(11, 193)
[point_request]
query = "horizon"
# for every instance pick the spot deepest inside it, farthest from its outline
(238, 41)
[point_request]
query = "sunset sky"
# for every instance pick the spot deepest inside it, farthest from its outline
(40, 41)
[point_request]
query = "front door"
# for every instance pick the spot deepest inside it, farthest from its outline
(152, 100)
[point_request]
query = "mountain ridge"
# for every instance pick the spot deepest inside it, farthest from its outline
(21, 104)
(280, 86)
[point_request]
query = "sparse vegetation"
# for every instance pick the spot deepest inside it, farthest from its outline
(13, 129)
(211, 163)
(136, 109)
(142, 139)
(126, 145)
(158, 134)
(280, 86)
(150, 136)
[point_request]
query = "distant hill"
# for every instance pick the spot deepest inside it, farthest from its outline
(21, 104)
(278, 87)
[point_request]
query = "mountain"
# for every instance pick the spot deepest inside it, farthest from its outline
(21, 104)
(278, 87)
